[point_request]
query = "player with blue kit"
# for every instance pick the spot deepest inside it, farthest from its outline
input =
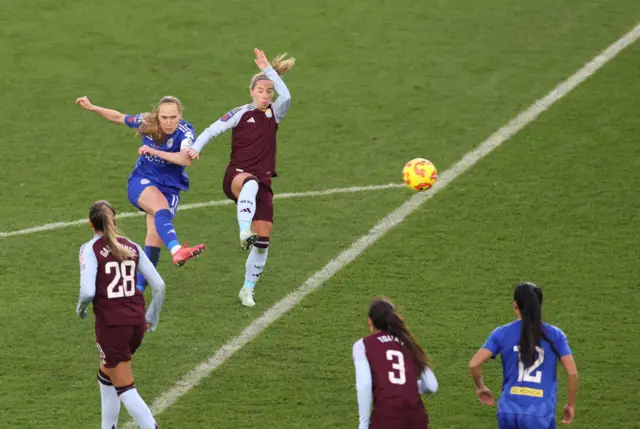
(159, 175)
(530, 350)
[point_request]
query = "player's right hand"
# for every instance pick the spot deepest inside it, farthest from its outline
(568, 414)
(84, 102)
(485, 396)
(193, 154)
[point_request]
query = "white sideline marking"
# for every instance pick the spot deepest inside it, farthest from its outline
(60, 225)
(203, 370)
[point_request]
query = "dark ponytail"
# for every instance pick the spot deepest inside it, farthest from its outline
(529, 299)
(384, 317)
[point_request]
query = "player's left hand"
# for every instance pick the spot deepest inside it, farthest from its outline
(146, 150)
(568, 414)
(83, 313)
(485, 396)
(261, 59)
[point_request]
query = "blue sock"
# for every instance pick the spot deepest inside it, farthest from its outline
(154, 256)
(248, 284)
(165, 228)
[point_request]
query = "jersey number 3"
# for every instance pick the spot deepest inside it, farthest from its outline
(398, 375)
(125, 271)
(530, 375)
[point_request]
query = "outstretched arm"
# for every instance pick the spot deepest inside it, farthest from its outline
(282, 103)
(109, 114)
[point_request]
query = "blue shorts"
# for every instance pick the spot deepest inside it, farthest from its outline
(137, 184)
(525, 421)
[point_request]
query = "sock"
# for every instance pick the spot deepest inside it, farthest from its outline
(247, 202)
(110, 402)
(154, 256)
(166, 230)
(255, 262)
(137, 408)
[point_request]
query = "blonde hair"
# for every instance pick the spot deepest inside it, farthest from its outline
(150, 125)
(103, 219)
(279, 64)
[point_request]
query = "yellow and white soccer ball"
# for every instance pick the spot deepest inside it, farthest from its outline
(419, 174)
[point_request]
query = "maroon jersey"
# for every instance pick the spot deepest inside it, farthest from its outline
(117, 301)
(253, 142)
(394, 373)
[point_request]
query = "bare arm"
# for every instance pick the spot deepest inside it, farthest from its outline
(109, 114)
(475, 369)
(572, 387)
(179, 158)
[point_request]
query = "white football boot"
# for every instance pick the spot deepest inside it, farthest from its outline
(247, 238)
(246, 296)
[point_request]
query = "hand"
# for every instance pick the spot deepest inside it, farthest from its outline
(485, 396)
(569, 413)
(83, 313)
(193, 154)
(261, 59)
(84, 102)
(147, 327)
(146, 150)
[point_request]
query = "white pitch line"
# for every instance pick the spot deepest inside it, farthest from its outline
(60, 225)
(195, 376)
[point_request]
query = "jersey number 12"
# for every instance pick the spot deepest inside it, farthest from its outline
(530, 375)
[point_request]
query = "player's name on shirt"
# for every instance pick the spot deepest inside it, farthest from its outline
(105, 251)
(388, 339)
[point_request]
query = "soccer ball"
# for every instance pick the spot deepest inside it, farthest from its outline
(419, 174)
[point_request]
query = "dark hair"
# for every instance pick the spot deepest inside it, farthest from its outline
(385, 318)
(103, 218)
(528, 296)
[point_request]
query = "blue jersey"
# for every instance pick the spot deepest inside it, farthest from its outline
(157, 169)
(530, 390)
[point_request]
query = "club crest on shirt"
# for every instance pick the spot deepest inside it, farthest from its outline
(268, 113)
(169, 143)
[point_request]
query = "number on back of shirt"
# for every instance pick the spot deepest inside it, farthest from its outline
(398, 375)
(530, 375)
(124, 279)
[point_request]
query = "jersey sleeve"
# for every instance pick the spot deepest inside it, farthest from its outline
(225, 123)
(364, 383)
(427, 383)
(146, 268)
(88, 274)
(133, 121)
(561, 344)
(282, 103)
(493, 342)
(187, 137)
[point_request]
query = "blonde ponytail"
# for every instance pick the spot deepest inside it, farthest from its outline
(103, 219)
(279, 64)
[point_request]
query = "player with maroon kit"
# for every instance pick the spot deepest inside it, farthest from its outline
(393, 371)
(108, 267)
(247, 180)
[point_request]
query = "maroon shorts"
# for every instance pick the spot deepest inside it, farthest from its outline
(118, 343)
(416, 418)
(264, 198)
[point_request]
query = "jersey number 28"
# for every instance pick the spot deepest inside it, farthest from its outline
(125, 271)
(530, 375)
(398, 375)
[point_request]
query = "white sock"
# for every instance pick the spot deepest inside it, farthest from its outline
(138, 409)
(247, 204)
(110, 403)
(255, 265)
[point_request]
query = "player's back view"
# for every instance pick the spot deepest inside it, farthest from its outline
(108, 267)
(530, 350)
(391, 369)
